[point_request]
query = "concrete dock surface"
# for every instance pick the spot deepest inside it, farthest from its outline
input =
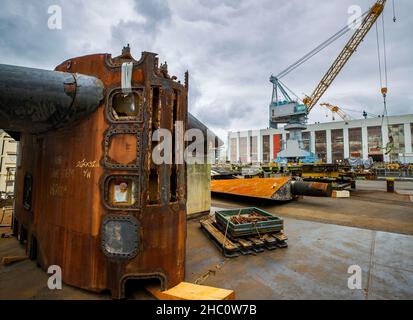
(326, 237)
(314, 266)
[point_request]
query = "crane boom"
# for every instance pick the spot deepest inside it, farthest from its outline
(346, 53)
(336, 109)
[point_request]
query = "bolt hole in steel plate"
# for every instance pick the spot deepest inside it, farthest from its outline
(120, 236)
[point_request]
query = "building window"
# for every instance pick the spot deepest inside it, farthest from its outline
(243, 149)
(375, 143)
(233, 153)
(306, 140)
(397, 132)
(355, 142)
(337, 145)
(266, 148)
(253, 149)
(321, 145)
(10, 175)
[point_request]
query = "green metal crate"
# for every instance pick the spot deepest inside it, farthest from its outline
(274, 224)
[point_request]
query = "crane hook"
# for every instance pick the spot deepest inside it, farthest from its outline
(394, 12)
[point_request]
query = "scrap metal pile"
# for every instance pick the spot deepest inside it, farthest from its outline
(244, 231)
(252, 217)
(250, 230)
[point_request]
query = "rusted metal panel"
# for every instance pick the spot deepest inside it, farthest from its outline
(257, 187)
(100, 208)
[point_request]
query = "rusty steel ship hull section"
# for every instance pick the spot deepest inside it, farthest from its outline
(64, 176)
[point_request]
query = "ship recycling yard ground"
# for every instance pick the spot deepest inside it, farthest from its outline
(326, 236)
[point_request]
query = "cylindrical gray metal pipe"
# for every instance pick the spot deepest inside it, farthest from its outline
(35, 100)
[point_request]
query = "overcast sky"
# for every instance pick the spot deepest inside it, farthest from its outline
(230, 47)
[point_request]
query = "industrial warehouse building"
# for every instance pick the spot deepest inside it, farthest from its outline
(332, 142)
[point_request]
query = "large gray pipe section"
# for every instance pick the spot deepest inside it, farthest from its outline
(311, 189)
(35, 100)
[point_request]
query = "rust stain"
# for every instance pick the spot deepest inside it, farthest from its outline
(257, 187)
(67, 221)
(320, 185)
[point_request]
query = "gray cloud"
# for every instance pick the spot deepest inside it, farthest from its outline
(156, 12)
(24, 35)
(218, 115)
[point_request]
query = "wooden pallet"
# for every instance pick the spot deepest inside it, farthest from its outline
(229, 249)
(270, 242)
(191, 291)
(232, 247)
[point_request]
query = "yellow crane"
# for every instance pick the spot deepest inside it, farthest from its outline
(294, 114)
(351, 46)
(337, 110)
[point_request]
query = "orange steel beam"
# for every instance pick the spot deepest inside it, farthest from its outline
(257, 188)
(281, 189)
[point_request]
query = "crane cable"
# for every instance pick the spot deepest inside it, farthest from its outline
(315, 51)
(383, 82)
(385, 72)
(291, 91)
(394, 12)
(379, 55)
(358, 111)
(390, 144)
